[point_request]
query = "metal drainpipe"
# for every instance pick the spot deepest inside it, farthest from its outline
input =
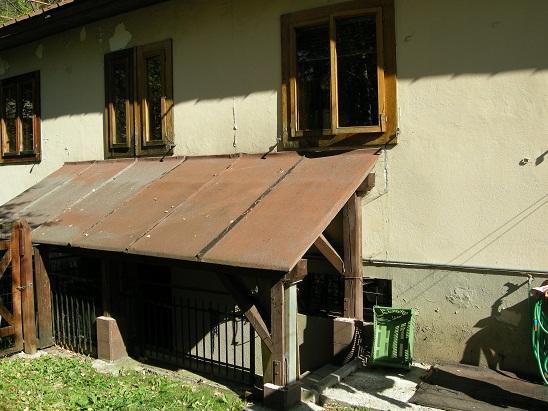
(519, 271)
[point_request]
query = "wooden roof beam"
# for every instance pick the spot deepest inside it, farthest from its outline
(367, 185)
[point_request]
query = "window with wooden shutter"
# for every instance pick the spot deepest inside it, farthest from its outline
(339, 86)
(20, 119)
(139, 101)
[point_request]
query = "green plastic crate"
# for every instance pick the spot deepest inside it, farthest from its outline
(392, 337)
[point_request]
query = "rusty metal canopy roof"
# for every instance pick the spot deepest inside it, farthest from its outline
(243, 211)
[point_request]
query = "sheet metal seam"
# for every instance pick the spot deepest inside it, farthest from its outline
(170, 212)
(223, 233)
(100, 186)
(115, 209)
(56, 188)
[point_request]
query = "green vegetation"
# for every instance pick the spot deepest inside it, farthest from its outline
(59, 383)
(10, 9)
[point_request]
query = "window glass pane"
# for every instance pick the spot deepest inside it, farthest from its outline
(10, 115)
(155, 92)
(120, 96)
(313, 78)
(357, 71)
(27, 114)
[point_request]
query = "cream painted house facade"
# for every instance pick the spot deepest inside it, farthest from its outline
(459, 213)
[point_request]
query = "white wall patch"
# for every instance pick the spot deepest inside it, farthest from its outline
(120, 38)
(4, 66)
(83, 35)
(39, 51)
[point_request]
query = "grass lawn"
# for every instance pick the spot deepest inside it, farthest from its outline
(59, 383)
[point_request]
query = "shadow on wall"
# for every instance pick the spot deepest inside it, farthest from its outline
(504, 336)
(469, 37)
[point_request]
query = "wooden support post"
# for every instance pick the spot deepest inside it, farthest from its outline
(284, 391)
(16, 286)
(43, 301)
(105, 288)
(353, 274)
(291, 346)
(277, 331)
(27, 289)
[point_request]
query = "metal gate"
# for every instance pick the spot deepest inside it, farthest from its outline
(11, 330)
(25, 309)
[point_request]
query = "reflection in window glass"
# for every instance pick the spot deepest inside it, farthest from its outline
(155, 92)
(120, 95)
(10, 115)
(27, 114)
(313, 78)
(357, 71)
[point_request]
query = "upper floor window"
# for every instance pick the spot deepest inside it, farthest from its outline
(20, 119)
(139, 101)
(339, 75)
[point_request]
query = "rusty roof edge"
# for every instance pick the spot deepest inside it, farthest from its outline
(335, 211)
(45, 195)
(115, 209)
(219, 237)
(207, 184)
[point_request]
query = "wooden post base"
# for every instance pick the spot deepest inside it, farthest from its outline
(110, 345)
(282, 398)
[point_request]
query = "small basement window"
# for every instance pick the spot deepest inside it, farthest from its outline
(20, 119)
(339, 75)
(139, 101)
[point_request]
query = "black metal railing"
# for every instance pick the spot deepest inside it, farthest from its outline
(323, 295)
(185, 328)
(75, 301)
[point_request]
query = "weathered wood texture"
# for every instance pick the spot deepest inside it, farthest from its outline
(15, 288)
(43, 301)
(353, 274)
(367, 185)
(277, 327)
(329, 252)
(298, 272)
(27, 288)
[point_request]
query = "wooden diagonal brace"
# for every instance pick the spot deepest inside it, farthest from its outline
(6, 315)
(5, 262)
(330, 253)
(4, 245)
(248, 307)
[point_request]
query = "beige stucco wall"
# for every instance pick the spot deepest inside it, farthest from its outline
(472, 102)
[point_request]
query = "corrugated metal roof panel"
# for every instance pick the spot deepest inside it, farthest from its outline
(244, 211)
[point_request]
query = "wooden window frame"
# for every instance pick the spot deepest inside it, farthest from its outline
(113, 148)
(138, 143)
(340, 137)
(20, 156)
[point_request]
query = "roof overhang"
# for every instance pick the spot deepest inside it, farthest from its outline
(252, 211)
(63, 16)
